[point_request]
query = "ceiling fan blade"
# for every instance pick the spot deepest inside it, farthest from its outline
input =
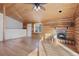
(42, 8)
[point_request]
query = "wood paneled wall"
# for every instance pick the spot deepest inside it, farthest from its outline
(76, 15)
(66, 23)
(62, 23)
(77, 33)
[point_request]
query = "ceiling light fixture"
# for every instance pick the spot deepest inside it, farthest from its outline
(37, 8)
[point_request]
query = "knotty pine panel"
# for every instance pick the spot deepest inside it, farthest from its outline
(77, 33)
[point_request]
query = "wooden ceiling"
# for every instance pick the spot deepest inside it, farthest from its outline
(25, 13)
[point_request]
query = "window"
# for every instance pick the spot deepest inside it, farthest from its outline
(37, 27)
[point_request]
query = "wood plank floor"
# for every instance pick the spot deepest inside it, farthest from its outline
(51, 49)
(27, 46)
(18, 47)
